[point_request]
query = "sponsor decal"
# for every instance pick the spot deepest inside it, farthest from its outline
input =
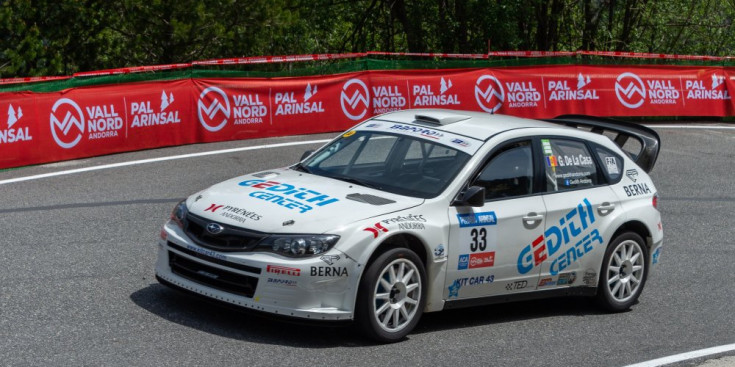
(559, 90)
(546, 282)
(407, 222)
(355, 99)
(328, 271)
(517, 285)
(329, 259)
(632, 174)
(283, 270)
(612, 165)
(376, 229)
(470, 281)
(697, 90)
(571, 226)
(289, 222)
(410, 226)
(144, 115)
(590, 278)
(464, 262)
(348, 134)
(482, 260)
(423, 95)
(287, 104)
(206, 252)
(213, 109)
(285, 195)
(477, 219)
(284, 282)
(417, 130)
(439, 251)
(630, 90)
(454, 290)
(489, 93)
(567, 278)
(656, 255)
(387, 98)
(405, 218)
(13, 134)
(234, 213)
(637, 189)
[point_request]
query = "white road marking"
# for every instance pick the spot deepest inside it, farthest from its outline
(160, 159)
(267, 146)
(685, 356)
(703, 127)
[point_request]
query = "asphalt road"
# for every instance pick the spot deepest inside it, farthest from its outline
(77, 287)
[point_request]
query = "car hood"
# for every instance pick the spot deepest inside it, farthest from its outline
(288, 201)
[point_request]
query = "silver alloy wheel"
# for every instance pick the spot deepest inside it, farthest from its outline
(625, 270)
(397, 295)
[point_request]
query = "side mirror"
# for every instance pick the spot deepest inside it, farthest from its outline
(473, 196)
(306, 154)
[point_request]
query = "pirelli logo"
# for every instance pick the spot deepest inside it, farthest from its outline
(276, 269)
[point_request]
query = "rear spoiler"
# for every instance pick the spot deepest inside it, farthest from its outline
(648, 139)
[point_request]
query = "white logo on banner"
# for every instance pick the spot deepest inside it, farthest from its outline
(627, 95)
(485, 96)
(13, 116)
(219, 104)
(166, 100)
(70, 119)
(360, 95)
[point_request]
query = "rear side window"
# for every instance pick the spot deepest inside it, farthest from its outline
(568, 165)
(612, 164)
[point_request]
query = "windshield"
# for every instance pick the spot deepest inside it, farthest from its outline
(394, 163)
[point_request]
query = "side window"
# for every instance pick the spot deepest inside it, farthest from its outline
(612, 164)
(569, 165)
(509, 172)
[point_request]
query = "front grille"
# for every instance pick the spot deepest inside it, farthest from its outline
(213, 259)
(230, 239)
(217, 278)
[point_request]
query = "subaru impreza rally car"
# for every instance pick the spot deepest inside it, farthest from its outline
(424, 210)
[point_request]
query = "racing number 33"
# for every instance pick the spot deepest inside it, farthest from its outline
(479, 239)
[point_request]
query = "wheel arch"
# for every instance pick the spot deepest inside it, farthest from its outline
(636, 227)
(404, 240)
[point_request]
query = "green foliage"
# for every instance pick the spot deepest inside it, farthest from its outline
(60, 37)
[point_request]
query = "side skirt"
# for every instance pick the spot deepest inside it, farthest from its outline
(506, 298)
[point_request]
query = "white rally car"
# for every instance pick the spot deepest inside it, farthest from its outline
(424, 210)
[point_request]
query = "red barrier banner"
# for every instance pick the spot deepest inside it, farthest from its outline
(97, 120)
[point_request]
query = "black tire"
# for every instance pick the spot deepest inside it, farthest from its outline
(623, 273)
(390, 319)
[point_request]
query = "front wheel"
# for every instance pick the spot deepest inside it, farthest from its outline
(391, 297)
(623, 273)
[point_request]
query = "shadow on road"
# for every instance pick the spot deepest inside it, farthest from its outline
(222, 320)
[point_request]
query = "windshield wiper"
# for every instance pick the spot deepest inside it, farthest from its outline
(357, 181)
(301, 167)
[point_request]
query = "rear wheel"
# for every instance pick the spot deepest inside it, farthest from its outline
(623, 273)
(391, 297)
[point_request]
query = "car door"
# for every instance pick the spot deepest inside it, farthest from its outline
(579, 203)
(484, 241)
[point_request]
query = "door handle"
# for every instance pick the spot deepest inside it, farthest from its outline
(605, 208)
(532, 220)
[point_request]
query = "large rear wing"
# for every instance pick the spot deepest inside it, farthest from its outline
(644, 153)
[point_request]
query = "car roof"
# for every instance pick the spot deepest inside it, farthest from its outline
(479, 125)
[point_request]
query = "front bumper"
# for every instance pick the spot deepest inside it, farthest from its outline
(317, 288)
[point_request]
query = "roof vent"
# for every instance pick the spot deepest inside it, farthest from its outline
(439, 118)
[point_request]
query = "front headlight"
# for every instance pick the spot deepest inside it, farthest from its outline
(178, 215)
(298, 245)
